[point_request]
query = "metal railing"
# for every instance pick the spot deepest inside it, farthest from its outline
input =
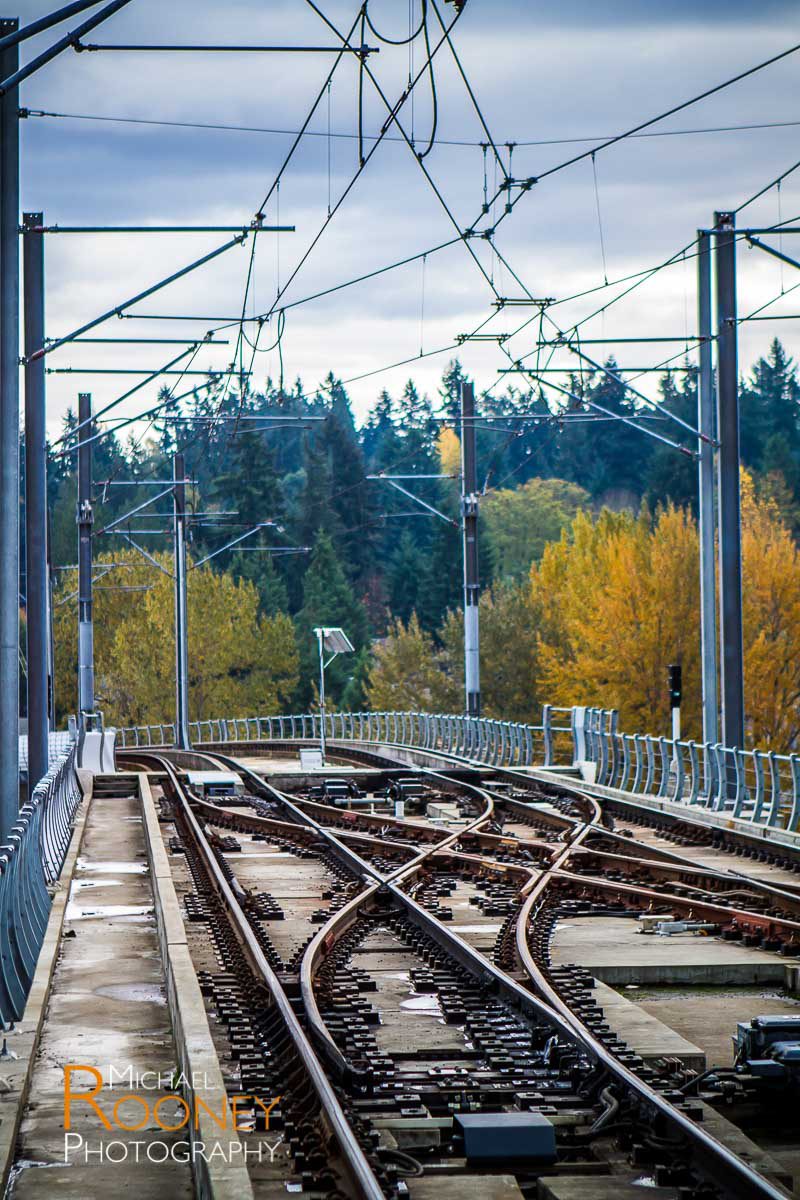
(751, 785)
(499, 743)
(30, 859)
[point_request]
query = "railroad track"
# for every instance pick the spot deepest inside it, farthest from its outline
(517, 1034)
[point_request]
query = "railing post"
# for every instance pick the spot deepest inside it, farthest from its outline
(578, 735)
(547, 733)
(602, 769)
(679, 772)
(694, 761)
(722, 775)
(648, 783)
(528, 752)
(758, 799)
(773, 816)
(741, 782)
(637, 775)
(663, 786)
(626, 762)
(794, 766)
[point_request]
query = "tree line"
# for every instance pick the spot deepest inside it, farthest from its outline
(343, 549)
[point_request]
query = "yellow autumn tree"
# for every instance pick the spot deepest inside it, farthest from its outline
(771, 620)
(408, 673)
(448, 448)
(509, 622)
(619, 601)
(239, 663)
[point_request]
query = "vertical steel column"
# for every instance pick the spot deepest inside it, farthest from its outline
(51, 646)
(85, 518)
(9, 439)
(36, 572)
(469, 526)
(705, 424)
(181, 639)
(730, 538)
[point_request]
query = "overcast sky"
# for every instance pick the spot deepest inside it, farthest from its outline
(541, 73)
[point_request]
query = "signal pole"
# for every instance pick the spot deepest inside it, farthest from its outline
(469, 527)
(730, 531)
(36, 557)
(85, 521)
(181, 646)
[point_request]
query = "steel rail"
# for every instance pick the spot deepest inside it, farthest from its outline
(353, 1156)
(720, 1164)
(713, 1159)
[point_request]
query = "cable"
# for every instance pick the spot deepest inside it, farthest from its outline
(775, 183)
(393, 110)
(434, 98)
(599, 220)
(394, 41)
(768, 62)
(463, 142)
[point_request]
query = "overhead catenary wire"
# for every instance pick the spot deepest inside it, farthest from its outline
(453, 241)
(468, 143)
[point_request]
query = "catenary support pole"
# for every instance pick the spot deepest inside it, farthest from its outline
(181, 632)
(36, 581)
(85, 519)
(730, 552)
(705, 424)
(9, 440)
(469, 525)
(51, 643)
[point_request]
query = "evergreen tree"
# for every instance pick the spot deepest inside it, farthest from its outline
(249, 485)
(672, 476)
(328, 599)
(441, 581)
(770, 417)
(405, 577)
(453, 377)
(351, 495)
(257, 566)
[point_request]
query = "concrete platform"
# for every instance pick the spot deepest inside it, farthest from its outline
(107, 1010)
(644, 1032)
(616, 953)
(578, 1187)
(465, 1187)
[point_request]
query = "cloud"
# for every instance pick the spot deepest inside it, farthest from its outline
(577, 70)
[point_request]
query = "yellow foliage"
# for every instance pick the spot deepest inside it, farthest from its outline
(771, 619)
(407, 673)
(239, 663)
(619, 600)
(448, 448)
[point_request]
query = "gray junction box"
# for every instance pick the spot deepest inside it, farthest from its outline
(519, 1136)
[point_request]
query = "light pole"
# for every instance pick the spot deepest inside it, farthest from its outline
(333, 642)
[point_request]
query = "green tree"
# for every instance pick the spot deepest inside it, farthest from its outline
(509, 659)
(249, 484)
(519, 522)
(239, 663)
(328, 599)
(405, 577)
(408, 673)
(257, 566)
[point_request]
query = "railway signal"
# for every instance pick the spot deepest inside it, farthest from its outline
(675, 691)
